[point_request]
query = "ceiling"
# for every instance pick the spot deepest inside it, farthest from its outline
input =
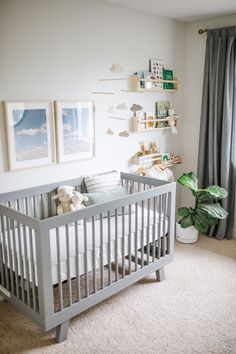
(182, 10)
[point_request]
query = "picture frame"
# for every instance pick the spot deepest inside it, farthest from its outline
(74, 130)
(30, 134)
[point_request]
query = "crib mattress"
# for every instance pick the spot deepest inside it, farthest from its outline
(64, 256)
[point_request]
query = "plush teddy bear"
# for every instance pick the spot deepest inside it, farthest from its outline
(69, 199)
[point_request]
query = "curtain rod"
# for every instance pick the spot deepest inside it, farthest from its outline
(201, 31)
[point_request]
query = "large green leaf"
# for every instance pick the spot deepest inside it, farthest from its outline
(217, 192)
(204, 196)
(200, 225)
(189, 180)
(213, 209)
(205, 218)
(184, 211)
(186, 221)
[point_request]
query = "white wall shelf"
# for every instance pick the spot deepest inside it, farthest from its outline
(136, 87)
(140, 160)
(155, 158)
(146, 125)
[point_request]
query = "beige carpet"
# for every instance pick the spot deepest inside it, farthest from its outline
(192, 311)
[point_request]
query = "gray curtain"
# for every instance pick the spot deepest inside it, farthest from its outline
(217, 142)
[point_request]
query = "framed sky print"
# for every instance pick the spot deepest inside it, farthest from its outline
(30, 134)
(75, 130)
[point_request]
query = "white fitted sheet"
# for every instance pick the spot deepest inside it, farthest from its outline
(71, 251)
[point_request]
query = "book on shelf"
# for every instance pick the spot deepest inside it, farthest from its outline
(162, 108)
(146, 75)
(168, 75)
(150, 116)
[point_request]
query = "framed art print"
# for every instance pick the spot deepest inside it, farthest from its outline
(75, 130)
(30, 134)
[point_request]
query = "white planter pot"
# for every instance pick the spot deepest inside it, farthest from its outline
(188, 235)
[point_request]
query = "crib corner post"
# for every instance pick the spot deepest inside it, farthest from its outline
(160, 274)
(61, 332)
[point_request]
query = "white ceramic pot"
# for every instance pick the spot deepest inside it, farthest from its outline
(188, 235)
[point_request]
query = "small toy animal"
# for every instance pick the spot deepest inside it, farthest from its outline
(69, 199)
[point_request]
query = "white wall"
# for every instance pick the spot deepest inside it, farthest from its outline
(193, 79)
(59, 49)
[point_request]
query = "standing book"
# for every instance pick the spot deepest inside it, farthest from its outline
(168, 75)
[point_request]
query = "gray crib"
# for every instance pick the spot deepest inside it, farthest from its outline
(53, 267)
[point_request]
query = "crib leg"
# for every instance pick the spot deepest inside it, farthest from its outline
(160, 274)
(61, 332)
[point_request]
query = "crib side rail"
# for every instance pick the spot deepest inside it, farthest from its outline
(142, 180)
(24, 264)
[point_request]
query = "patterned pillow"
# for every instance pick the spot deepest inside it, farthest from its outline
(103, 183)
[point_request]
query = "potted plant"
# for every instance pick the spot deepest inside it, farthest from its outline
(207, 210)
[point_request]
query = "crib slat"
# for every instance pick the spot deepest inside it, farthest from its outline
(148, 230)
(86, 258)
(169, 218)
(129, 240)
(60, 289)
(154, 230)
(26, 264)
(94, 256)
(159, 227)
(1, 266)
(15, 259)
(77, 261)
(1, 258)
(164, 225)
(101, 251)
(32, 261)
(21, 260)
(142, 235)
(28, 206)
(42, 208)
(123, 242)
(49, 202)
(68, 264)
(136, 237)
(5, 252)
(132, 187)
(109, 246)
(34, 206)
(116, 245)
(9, 241)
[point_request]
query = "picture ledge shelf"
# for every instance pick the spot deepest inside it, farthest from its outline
(155, 157)
(141, 124)
(135, 83)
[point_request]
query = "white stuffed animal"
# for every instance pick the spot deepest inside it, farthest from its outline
(69, 199)
(78, 200)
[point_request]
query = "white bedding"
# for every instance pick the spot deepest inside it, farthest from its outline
(81, 253)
